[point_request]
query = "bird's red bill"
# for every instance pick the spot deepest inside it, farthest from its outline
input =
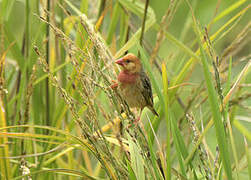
(120, 62)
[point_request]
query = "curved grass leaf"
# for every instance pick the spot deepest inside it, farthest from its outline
(215, 108)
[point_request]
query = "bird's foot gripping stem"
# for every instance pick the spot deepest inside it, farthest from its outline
(135, 122)
(114, 85)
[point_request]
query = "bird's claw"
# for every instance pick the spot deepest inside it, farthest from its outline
(114, 85)
(135, 122)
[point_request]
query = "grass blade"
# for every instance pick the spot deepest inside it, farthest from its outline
(215, 108)
(248, 157)
(114, 20)
(242, 129)
(136, 159)
(4, 150)
(168, 134)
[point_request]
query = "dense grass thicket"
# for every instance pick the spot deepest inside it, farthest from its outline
(60, 119)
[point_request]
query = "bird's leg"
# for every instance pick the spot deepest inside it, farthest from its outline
(135, 122)
(140, 124)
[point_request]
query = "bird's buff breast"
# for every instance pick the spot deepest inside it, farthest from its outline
(132, 95)
(130, 89)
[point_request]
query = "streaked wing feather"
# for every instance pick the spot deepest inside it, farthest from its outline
(147, 89)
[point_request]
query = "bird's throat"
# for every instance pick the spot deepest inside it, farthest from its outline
(125, 77)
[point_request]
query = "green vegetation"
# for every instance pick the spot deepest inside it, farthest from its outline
(59, 118)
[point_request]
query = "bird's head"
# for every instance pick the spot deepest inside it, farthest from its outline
(130, 63)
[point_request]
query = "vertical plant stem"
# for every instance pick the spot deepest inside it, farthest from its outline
(166, 101)
(220, 133)
(4, 150)
(226, 115)
(47, 60)
(248, 157)
(27, 11)
(101, 9)
(143, 23)
(25, 53)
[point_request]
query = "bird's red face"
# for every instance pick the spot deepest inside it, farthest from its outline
(130, 63)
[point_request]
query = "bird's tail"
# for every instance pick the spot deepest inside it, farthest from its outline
(153, 110)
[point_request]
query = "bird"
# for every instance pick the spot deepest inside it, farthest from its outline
(133, 84)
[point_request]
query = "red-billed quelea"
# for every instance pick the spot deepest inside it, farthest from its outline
(133, 84)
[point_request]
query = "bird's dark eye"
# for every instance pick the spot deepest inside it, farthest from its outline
(127, 61)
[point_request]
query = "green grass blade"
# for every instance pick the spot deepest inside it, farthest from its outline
(15, 50)
(112, 28)
(228, 85)
(180, 151)
(228, 10)
(153, 159)
(242, 129)
(138, 9)
(4, 150)
(180, 77)
(6, 8)
(248, 157)
(215, 108)
(136, 159)
(65, 172)
(179, 44)
(124, 26)
(168, 133)
(132, 175)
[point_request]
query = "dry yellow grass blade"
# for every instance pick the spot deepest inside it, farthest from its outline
(237, 82)
(108, 126)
